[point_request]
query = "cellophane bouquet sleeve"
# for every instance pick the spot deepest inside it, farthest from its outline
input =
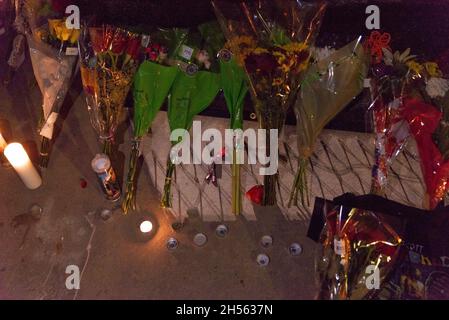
(109, 60)
(271, 41)
(328, 86)
(54, 58)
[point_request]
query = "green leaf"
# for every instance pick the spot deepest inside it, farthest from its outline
(212, 35)
(173, 38)
(152, 84)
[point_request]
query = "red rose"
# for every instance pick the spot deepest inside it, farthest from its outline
(133, 48)
(119, 42)
(101, 38)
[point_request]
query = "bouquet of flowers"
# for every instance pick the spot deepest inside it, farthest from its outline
(233, 84)
(109, 60)
(410, 98)
(54, 57)
(192, 91)
(352, 240)
(391, 76)
(152, 84)
(329, 85)
(271, 40)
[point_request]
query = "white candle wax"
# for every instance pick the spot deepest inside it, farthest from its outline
(20, 161)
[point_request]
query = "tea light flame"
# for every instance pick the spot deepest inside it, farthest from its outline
(146, 226)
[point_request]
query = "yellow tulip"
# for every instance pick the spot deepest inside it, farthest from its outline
(74, 36)
(52, 23)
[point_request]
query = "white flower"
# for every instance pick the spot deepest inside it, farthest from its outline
(437, 87)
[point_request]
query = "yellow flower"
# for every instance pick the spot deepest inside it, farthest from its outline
(295, 47)
(74, 36)
(59, 30)
(433, 70)
(260, 50)
(415, 66)
(279, 56)
(41, 34)
(285, 67)
(52, 23)
(241, 47)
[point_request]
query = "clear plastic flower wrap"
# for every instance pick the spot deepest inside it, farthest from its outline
(390, 77)
(409, 99)
(54, 58)
(109, 60)
(354, 244)
(328, 86)
(427, 114)
(271, 40)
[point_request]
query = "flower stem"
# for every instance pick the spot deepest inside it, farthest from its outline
(269, 190)
(107, 147)
(131, 184)
(236, 194)
(300, 186)
(44, 153)
(166, 196)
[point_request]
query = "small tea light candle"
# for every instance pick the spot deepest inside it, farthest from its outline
(20, 161)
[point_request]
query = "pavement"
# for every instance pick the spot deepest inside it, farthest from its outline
(35, 250)
(113, 259)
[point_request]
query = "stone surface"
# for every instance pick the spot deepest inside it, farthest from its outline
(36, 250)
(33, 262)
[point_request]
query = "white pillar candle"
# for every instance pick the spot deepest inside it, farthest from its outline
(20, 161)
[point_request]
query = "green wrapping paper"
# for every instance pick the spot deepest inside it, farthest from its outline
(328, 87)
(189, 95)
(234, 90)
(152, 84)
(233, 84)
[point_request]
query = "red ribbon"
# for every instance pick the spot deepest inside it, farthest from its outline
(376, 42)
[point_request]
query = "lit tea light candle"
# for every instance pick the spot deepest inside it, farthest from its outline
(20, 161)
(146, 226)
